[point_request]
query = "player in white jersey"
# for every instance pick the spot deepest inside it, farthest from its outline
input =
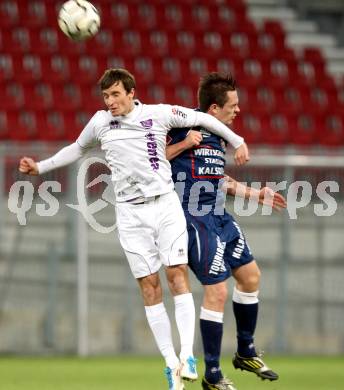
(150, 220)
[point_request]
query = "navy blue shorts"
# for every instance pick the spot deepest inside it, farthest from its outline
(216, 246)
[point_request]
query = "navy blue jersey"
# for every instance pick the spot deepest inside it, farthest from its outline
(200, 169)
(216, 243)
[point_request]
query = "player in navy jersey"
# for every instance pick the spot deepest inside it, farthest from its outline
(217, 246)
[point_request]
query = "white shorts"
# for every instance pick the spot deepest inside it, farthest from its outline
(153, 233)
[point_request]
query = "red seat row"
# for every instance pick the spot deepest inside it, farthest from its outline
(301, 129)
(155, 43)
(279, 72)
(145, 16)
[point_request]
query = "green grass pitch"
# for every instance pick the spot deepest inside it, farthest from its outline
(146, 373)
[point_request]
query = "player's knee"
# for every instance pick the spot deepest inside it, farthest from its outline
(251, 282)
(177, 279)
(151, 293)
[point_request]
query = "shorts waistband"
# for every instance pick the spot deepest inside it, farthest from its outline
(142, 200)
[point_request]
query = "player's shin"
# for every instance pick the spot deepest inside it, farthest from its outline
(211, 324)
(245, 308)
(185, 319)
(161, 327)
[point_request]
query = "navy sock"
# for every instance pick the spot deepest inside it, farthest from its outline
(211, 332)
(246, 320)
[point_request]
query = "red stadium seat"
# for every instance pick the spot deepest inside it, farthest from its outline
(225, 65)
(55, 127)
(33, 14)
(250, 127)
(169, 71)
(75, 122)
(276, 129)
(16, 41)
(67, 97)
(115, 61)
(27, 68)
(250, 72)
(199, 17)
(224, 19)
(304, 74)
(262, 100)
(143, 16)
(143, 70)
(101, 44)
(265, 47)
(6, 67)
(85, 70)
(289, 101)
(317, 100)
(170, 17)
(9, 15)
(23, 126)
(277, 72)
(303, 129)
(128, 43)
(91, 98)
(314, 55)
(55, 69)
(210, 44)
(331, 130)
(115, 15)
(39, 97)
(155, 44)
(70, 48)
(184, 96)
(155, 94)
(182, 44)
(44, 41)
(12, 96)
(275, 28)
(238, 45)
(193, 69)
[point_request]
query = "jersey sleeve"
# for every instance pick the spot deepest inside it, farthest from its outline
(72, 152)
(87, 138)
(181, 117)
(65, 156)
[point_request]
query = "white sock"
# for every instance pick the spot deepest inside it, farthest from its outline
(245, 298)
(185, 319)
(161, 327)
(211, 315)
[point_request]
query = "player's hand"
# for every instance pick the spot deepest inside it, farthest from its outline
(271, 198)
(241, 155)
(28, 166)
(193, 138)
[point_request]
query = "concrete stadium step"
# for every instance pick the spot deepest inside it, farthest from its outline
(259, 13)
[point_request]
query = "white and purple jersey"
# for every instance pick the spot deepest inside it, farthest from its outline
(134, 146)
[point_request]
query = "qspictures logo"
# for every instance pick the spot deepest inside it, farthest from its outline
(299, 194)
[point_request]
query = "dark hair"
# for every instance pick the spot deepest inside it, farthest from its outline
(112, 76)
(213, 88)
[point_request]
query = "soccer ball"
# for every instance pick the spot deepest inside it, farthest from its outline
(79, 19)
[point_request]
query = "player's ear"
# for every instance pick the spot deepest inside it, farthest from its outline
(132, 92)
(213, 109)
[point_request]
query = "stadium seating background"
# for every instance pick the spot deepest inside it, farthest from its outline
(48, 85)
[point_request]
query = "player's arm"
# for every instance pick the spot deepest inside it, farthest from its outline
(65, 156)
(181, 117)
(193, 138)
(264, 196)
